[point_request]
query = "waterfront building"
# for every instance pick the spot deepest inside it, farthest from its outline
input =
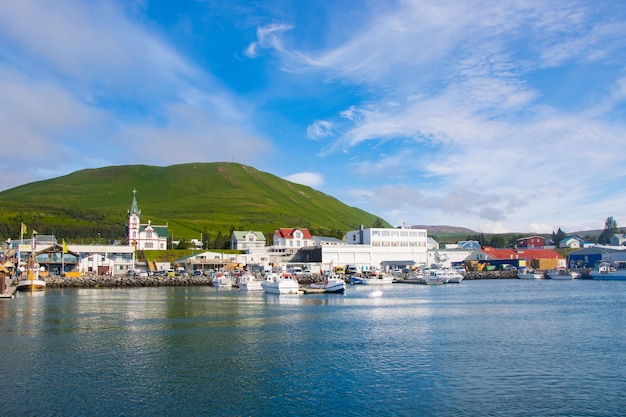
(591, 256)
(144, 235)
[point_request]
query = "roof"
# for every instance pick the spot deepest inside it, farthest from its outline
(530, 237)
(241, 235)
(162, 231)
(496, 253)
(539, 254)
(286, 233)
(134, 209)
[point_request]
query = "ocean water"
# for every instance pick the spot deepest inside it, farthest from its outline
(479, 348)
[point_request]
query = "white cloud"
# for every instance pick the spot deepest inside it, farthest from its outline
(312, 179)
(319, 129)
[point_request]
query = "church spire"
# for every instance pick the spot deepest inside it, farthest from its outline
(134, 209)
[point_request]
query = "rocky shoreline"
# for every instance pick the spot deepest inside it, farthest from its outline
(106, 281)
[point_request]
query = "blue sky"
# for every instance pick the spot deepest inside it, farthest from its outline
(497, 116)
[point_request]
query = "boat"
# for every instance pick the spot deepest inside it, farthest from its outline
(332, 284)
(248, 282)
(607, 271)
(30, 280)
(221, 279)
(355, 279)
(435, 277)
(282, 283)
(529, 273)
(452, 276)
(562, 274)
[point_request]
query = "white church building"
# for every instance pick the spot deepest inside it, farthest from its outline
(144, 235)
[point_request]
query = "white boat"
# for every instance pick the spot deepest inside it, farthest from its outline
(29, 279)
(606, 271)
(332, 284)
(280, 284)
(221, 279)
(451, 276)
(248, 282)
(562, 274)
(435, 276)
(528, 273)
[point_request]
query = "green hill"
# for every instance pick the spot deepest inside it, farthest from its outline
(193, 199)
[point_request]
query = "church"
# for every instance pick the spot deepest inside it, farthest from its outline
(144, 236)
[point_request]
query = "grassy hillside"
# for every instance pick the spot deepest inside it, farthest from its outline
(191, 198)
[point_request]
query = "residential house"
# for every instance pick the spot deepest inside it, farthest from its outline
(287, 238)
(618, 239)
(247, 240)
(531, 242)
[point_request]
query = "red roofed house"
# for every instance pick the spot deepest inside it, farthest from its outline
(293, 238)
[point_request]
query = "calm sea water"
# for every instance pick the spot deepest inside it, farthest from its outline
(480, 348)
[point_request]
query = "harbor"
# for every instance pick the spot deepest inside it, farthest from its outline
(461, 350)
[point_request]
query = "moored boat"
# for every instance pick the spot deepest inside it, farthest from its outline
(451, 276)
(529, 273)
(248, 282)
(562, 274)
(29, 279)
(221, 279)
(606, 271)
(332, 284)
(280, 284)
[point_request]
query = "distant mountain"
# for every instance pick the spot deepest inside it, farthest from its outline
(433, 230)
(191, 198)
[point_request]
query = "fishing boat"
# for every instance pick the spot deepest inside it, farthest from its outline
(528, 273)
(282, 283)
(332, 284)
(248, 282)
(607, 271)
(451, 276)
(562, 274)
(221, 279)
(30, 280)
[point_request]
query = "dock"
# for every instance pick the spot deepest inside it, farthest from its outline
(9, 293)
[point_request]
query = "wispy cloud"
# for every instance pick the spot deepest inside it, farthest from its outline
(86, 85)
(465, 80)
(312, 179)
(319, 129)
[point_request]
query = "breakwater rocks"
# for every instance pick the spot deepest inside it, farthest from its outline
(471, 275)
(101, 281)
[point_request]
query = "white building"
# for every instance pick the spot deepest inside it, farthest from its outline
(247, 240)
(373, 246)
(144, 236)
(287, 238)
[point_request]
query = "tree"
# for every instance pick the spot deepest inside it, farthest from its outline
(497, 241)
(558, 236)
(378, 223)
(610, 228)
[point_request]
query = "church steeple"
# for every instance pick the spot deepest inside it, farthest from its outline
(134, 209)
